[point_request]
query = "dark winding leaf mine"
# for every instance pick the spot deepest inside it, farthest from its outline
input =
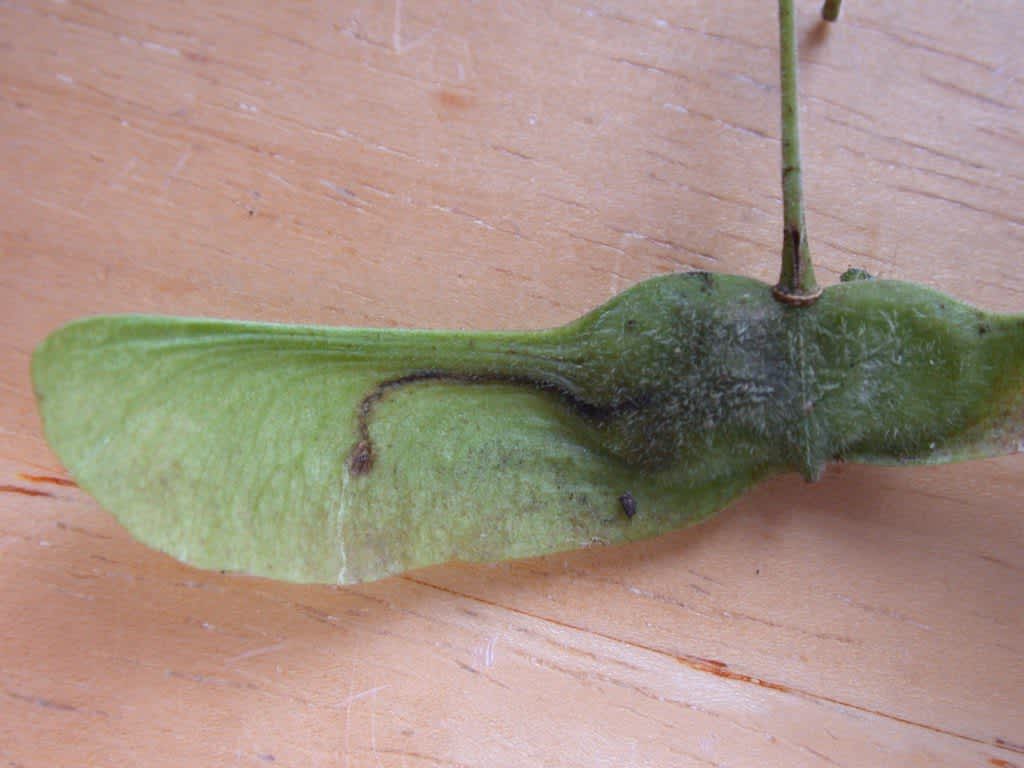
(362, 456)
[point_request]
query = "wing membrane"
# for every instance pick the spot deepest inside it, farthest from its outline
(226, 445)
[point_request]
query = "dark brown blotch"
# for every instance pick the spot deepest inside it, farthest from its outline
(360, 461)
(628, 504)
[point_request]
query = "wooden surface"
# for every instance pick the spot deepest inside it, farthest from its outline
(500, 165)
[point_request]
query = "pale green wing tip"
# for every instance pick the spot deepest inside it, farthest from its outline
(133, 407)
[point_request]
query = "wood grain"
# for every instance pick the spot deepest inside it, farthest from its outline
(499, 165)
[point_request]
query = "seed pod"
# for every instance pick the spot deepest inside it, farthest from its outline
(343, 455)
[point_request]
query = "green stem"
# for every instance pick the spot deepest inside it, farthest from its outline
(830, 11)
(796, 280)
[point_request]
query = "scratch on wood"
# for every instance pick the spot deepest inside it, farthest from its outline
(78, 529)
(213, 680)
(912, 43)
(255, 652)
(904, 142)
(961, 204)
(749, 130)
(961, 91)
(352, 699)
(40, 701)
(25, 491)
(48, 479)
(1012, 746)
(649, 67)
